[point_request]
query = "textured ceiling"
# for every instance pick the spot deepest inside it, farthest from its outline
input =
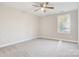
(27, 7)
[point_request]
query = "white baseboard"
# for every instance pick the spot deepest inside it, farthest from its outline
(27, 39)
(59, 39)
(16, 42)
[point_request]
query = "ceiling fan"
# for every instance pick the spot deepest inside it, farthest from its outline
(43, 7)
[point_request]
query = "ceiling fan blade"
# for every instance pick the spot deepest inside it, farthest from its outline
(36, 6)
(36, 10)
(49, 7)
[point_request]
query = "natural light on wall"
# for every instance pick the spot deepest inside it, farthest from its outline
(64, 23)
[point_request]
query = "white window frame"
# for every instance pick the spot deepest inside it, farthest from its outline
(58, 24)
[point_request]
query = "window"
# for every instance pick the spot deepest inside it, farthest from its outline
(64, 23)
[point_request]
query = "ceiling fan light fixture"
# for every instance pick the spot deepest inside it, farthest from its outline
(44, 5)
(42, 9)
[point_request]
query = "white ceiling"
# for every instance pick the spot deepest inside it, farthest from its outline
(27, 7)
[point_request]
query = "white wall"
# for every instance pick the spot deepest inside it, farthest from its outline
(78, 25)
(16, 26)
(48, 27)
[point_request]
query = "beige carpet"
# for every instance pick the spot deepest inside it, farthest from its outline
(41, 48)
